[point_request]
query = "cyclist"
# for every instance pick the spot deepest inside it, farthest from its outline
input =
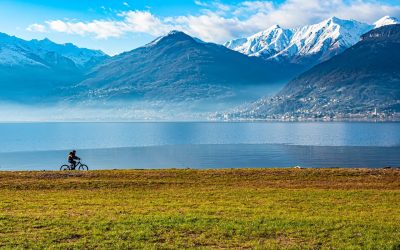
(71, 159)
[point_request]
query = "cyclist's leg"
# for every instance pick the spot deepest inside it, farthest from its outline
(72, 164)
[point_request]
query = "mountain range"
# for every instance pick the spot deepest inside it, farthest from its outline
(31, 70)
(207, 77)
(308, 45)
(363, 81)
(180, 68)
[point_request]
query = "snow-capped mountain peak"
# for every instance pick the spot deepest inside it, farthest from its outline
(326, 36)
(174, 35)
(265, 43)
(386, 20)
(309, 44)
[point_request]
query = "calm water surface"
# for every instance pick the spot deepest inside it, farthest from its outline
(38, 146)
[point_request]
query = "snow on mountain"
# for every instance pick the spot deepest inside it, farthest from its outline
(10, 57)
(386, 20)
(265, 44)
(83, 58)
(324, 39)
(305, 45)
(16, 51)
(12, 52)
(32, 71)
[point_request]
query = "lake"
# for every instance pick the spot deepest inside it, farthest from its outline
(44, 146)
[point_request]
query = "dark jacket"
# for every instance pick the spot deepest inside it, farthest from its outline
(72, 157)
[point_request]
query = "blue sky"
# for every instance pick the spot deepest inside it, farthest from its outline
(115, 26)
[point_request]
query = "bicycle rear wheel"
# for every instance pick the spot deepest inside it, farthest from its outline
(83, 167)
(64, 168)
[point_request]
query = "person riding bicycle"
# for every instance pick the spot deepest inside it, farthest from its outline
(71, 159)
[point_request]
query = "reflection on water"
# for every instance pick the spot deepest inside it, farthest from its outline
(211, 156)
(57, 136)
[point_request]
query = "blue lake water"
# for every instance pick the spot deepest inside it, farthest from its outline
(44, 146)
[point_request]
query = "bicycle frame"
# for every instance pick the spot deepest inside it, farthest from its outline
(76, 165)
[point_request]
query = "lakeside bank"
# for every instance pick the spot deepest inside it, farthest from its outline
(226, 208)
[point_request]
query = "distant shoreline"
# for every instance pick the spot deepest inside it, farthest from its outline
(397, 119)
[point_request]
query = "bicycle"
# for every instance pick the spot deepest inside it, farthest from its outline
(78, 166)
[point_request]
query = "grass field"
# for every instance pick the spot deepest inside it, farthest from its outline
(253, 208)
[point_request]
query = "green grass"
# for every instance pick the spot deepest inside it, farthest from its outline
(153, 209)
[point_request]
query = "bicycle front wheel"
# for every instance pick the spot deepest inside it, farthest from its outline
(83, 167)
(64, 168)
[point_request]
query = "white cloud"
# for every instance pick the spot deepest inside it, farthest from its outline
(126, 4)
(36, 28)
(145, 22)
(101, 29)
(133, 21)
(219, 22)
(210, 27)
